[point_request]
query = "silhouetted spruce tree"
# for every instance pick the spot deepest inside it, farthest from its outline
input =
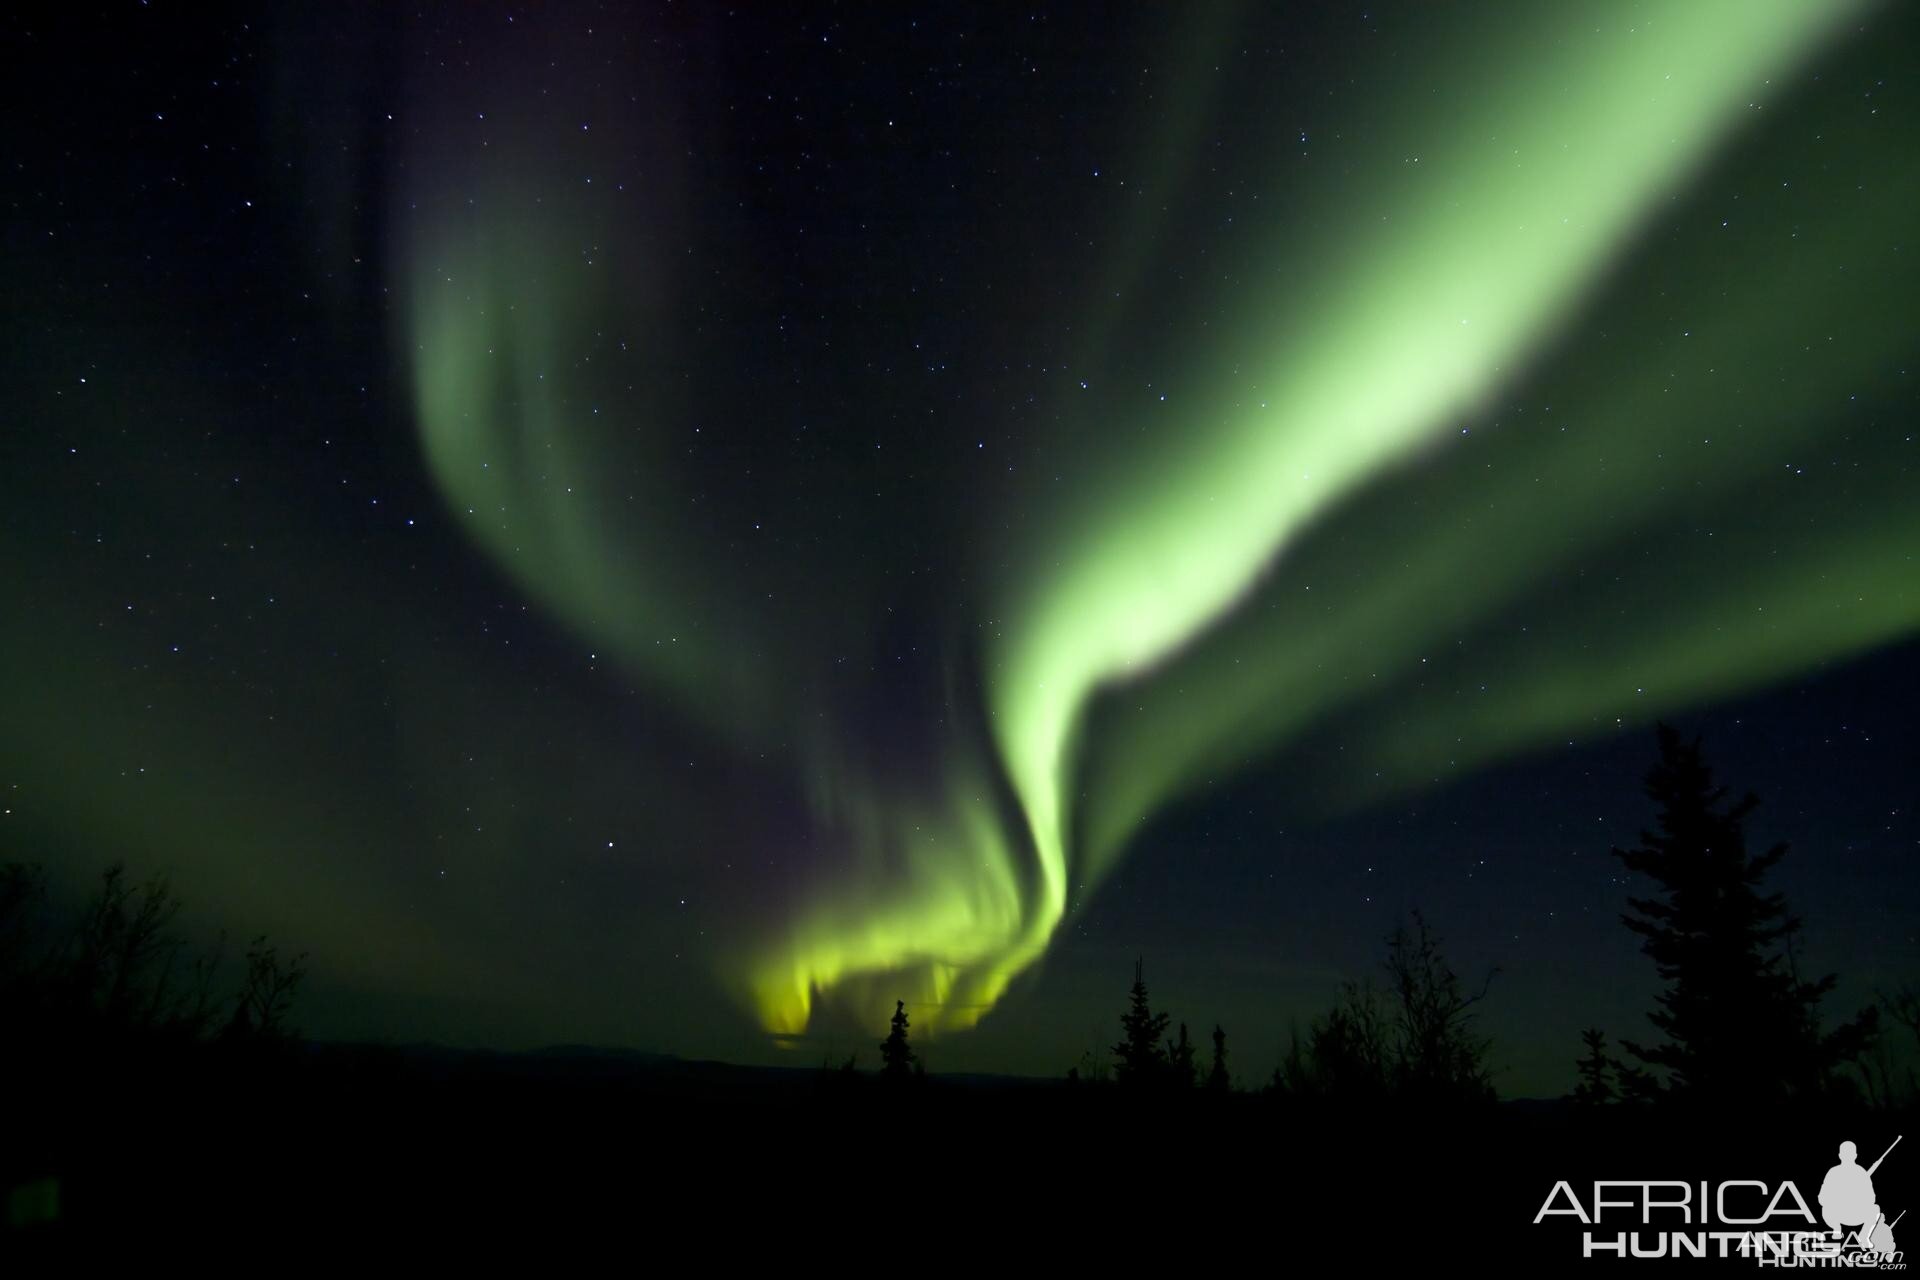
(1741, 1028)
(896, 1055)
(1139, 1057)
(1596, 1071)
(1218, 1081)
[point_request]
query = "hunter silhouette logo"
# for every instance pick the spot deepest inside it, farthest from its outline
(1847, 1201)
(1772, 1225)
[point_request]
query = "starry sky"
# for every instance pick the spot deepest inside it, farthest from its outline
(675, 527)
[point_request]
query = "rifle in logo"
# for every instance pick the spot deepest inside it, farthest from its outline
(1881, 1238)
(1847, 1198)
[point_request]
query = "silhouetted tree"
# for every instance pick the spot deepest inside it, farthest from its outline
(267, 995)
(896, 1055)
(120, 970)
(1218, 1081)
(1437, 1053)
(1139, 1058)
(115, 970)
(1596, 1070)
(1413, 1041)
(1741, 1028)
(1180, 1064)
(1345, 1055)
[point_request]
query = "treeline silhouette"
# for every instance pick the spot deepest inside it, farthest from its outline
(1739, 1026)
(114, 977)
(1737, 1023)
(1407, 1040)
(142, 1075)
(120, 1041)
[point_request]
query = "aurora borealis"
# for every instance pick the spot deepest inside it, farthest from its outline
(685, 529)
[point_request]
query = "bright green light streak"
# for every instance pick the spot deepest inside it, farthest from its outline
(1518, 207)
(1473, 235)
(1465, 546)
(930, 921)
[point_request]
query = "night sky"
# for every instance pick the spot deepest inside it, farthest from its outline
(676, 527)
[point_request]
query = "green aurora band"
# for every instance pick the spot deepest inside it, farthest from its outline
(1303, 544)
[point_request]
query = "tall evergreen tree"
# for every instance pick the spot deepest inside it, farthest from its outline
(1740, 1027)
(896, 1055)
(1218, 1081)
(1139, 1057)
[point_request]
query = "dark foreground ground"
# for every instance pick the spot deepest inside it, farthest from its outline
(699, 1166)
